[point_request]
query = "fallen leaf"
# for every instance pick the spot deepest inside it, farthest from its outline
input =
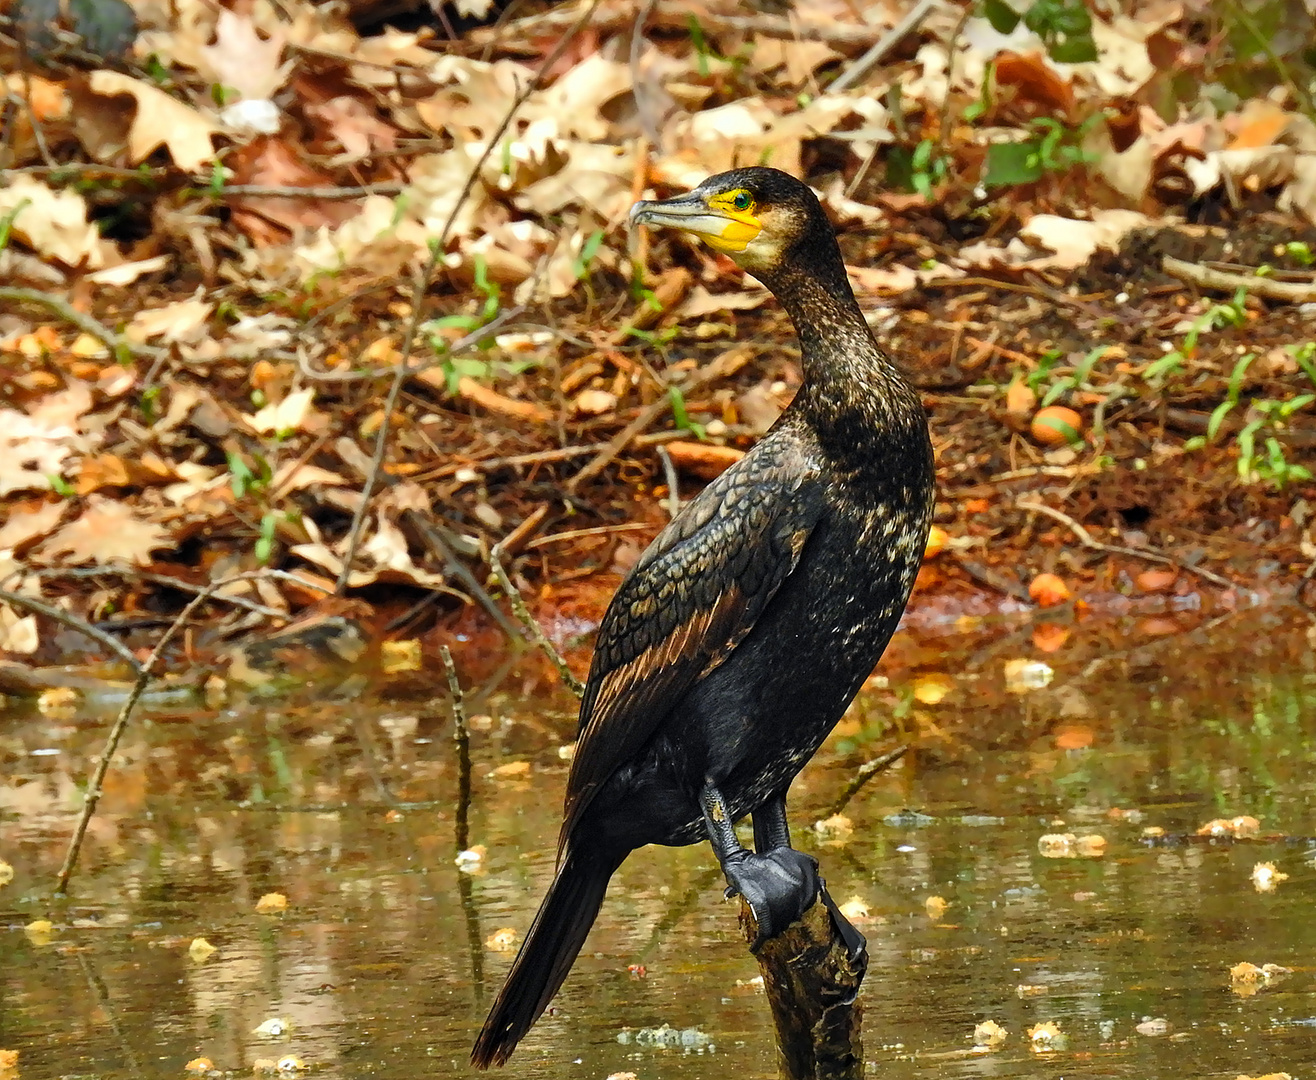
(1048, 590)
(989, 1034)
(1244, 827)
(272, 903)
(201, 950)
(1266, 878)
(29, 521)
(52, 223)
(106, 531)
(1021, 676)
(836, 827)
(937, 540)
(503, 940)
(931, 688)
(160, 120)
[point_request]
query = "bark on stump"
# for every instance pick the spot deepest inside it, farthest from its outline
(812, 986)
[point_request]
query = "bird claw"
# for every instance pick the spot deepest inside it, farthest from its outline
(779, 886)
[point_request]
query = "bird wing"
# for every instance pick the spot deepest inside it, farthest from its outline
(690, 600)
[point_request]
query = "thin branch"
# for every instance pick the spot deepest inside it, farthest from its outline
(112, 341)
(675, 15)
(673, 482)
(878, 51)
(144, 676)
(464, 344)
(1295, 292)
(532, 628)
(113, 644)
(865, 773)
(274, 191)
(1089, 541)
(437, 249)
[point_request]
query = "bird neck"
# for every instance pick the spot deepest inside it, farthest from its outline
(852, 394)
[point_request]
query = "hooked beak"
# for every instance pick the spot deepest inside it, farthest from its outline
(721, 229)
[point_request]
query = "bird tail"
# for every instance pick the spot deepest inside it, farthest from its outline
(550, 948)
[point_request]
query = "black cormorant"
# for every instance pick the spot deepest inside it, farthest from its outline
(735, 644)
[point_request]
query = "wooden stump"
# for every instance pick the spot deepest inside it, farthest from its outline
(812, 985)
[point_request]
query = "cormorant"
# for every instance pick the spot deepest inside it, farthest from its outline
(736, 642)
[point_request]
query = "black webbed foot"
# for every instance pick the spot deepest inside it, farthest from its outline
(856, 945)
(779, 887)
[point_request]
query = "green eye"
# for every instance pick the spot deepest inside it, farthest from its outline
(741, 200)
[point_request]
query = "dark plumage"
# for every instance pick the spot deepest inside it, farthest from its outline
(743, 632)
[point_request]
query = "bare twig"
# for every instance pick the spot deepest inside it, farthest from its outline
(864, 773)
(269, 191)
(1089, 541)
(423, 279)
(675, 15)
(112, 341)
(440, 540)
(460, 731)
(470, 341)
(878, 51)
(1295, 292)
(673, 483)
(115, 646)
(145, 674)
(532, 628)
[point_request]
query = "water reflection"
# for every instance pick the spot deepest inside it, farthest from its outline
(387, 949)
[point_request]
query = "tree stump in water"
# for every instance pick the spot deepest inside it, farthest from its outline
(812, 984)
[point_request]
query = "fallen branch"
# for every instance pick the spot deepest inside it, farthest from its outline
(29, 603)
(865, 773)
(675, 15)
(877, 53)
(532, 627)
(117, 345)
(145, 673)
(1293, 292)
(1089, 541)
(812, 985)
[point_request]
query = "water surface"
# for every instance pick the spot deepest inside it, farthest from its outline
(387, 954)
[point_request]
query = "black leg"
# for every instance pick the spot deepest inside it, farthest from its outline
(771, 832)
(779, 885)
(770, 829)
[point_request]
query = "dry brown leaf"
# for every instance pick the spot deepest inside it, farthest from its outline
(160, 120)
(29, 521)
(240, 59)
(1048, 590)
(52, 223)
(503, 940)
(356, 127)
(1243, 827)
(182, 320)
(706, 460)
(293, 413)
(18, 634)
(105, 531)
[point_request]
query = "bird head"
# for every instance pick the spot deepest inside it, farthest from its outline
(755, 216)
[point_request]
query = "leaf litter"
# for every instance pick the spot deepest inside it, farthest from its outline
(1007, 203)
